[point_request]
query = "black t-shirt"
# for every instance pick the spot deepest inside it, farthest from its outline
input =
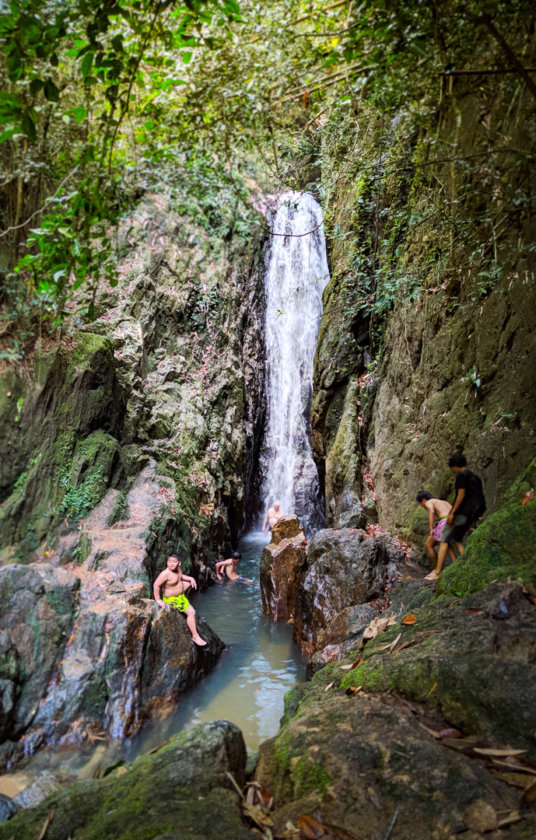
(473, 503)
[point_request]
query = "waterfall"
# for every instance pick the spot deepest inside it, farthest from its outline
(296, 275)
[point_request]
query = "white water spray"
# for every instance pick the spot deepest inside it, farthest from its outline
(296, 275)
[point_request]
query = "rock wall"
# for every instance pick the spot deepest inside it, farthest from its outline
(427, 343)
(132, 438)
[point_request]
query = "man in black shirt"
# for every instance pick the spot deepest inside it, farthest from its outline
(468, 506)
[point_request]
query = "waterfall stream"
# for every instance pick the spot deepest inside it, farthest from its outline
(296, 275)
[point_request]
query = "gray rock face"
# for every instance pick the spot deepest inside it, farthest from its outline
(88, 652)
(183, 791)
(344, 568)
(7, 808)
(38, 604)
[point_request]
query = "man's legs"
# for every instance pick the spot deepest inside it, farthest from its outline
(441, 554)
(429, 546)
(189, 612)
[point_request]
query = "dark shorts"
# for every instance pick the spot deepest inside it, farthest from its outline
(457, 531)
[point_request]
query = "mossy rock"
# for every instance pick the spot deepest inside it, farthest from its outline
(182, 792)
(502, 547)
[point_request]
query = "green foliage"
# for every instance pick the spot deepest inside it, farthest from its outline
(208, 99)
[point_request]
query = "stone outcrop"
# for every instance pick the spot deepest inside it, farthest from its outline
(426, 345)
(97, 655)
(183, 790)
(135, 438)
(83, 666)
(281, 570)
(346, 569)
(354, 766)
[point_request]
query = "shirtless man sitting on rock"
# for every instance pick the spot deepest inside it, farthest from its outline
(273, 514)
(175, 585)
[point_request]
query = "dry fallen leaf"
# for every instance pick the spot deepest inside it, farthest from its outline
(529, 797)
(389, 645)
(310, 828)
(472, 612)
(450, 733)
(513, 816)
(353, 665)
(513, 779)
(378, 625)
(159, 747)
(498, 753)
(527, 497)
(329, 685)
(353, 690)
(409, 619)
(256, 814)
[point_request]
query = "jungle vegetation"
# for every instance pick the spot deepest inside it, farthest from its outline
(210, 100)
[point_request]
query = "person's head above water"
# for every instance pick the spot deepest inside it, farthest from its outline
(276, 505)
(236, 555)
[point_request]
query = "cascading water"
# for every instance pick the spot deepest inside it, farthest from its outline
(296, 275)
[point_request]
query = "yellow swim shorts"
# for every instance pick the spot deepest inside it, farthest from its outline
(180, 602)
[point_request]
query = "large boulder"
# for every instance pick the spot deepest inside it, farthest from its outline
(365, 767)
(471, 660)
(281, 571)
(182, 791)
(344, 568)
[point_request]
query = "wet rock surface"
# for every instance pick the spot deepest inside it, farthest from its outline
(471, 659)
(182, 791)
(345, 569)
(97, 654)
(281, 569)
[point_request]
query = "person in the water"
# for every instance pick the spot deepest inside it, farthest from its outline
(228, 567)
(273, 514)
(175, 585)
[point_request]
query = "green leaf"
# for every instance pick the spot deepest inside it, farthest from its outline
(79, 113)
(5, 135)
(28, 126)
(51, 91)
(186, 57)
(86, 64)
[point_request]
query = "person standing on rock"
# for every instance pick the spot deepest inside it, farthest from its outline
(175, 585)
(437, 509)
(469, 505)
(273, 514)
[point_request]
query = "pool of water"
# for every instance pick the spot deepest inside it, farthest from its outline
(258, 666)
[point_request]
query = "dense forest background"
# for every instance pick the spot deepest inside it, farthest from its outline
(211, 102)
